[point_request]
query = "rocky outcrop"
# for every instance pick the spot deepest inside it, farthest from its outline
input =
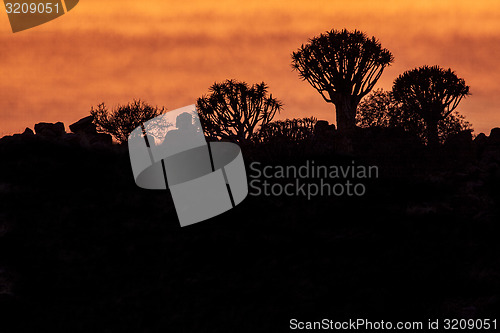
(28, 132)
(323, 128)
(494, 137)
(84, 134)
(102, 139)
(460, 139)
(84, 126)
(85, 131)
(488, 147)
(50, 130)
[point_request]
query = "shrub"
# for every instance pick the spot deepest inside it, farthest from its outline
(121, 121)
(380, 109)
(291, 130)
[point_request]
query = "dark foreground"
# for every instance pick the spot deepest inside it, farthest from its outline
(85, 250)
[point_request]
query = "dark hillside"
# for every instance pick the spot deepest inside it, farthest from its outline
(85, 250)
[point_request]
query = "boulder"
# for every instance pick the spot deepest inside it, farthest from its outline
(71, 139)
(481, 139)
(323, 136)
(491, 150)
(462, 138)
(84, 126)
(28, 132)
(494, 137)
(321, 127)
(50, 130)
(101, 139)
(460, 146)
(479, 144)
(323, 130)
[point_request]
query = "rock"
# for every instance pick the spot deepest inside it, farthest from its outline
(321, 127)
(379, 140)
(84, 126)
(101, 139)
(490, 155)
(479, 143)
(50, 130)
(86, 132)
(494, 137)
(323, 136)
(28, 132)
(481, 139)
(490, 152)
(323, 131)
(71, 139)
(459, 146)
(462, 138)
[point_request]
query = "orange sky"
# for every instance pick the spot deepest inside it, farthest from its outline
(169, 52)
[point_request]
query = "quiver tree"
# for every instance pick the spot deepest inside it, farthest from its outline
(233, 110)
(343, 66)
(433, 93)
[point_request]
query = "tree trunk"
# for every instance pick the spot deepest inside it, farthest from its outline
(345, 108)
(432, 134)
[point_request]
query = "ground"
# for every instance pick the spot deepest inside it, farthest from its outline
(83, 249)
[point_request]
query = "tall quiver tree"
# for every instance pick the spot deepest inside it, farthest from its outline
(431, 92)
(343, 66)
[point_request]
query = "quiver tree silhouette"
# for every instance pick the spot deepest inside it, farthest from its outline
(343, 66)
(431, 92)
(121, 121)
(233, 110)
(380, 109)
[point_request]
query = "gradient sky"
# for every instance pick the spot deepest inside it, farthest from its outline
(169, 52)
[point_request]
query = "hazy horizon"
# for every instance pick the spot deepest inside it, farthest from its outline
(169, 53)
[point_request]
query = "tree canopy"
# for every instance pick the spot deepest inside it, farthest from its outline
(431, 92)
(233, 110)
(380, 109)
(343, 66)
